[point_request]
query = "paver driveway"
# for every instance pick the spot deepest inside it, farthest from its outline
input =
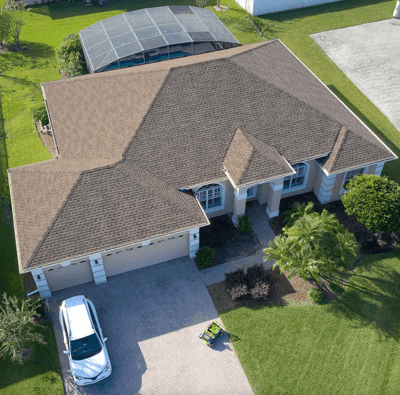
(152, 318)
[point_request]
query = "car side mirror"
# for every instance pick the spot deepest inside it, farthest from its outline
(105, 339)
(66, 352)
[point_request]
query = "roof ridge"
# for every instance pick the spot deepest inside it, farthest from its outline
(333, 156)
(275, 86)
(148, 111)
(151, 185)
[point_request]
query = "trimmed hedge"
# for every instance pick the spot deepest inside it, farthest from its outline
(205, 256)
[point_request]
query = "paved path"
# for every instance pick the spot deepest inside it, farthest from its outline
(265, 235)
(369, 55)
(152, 318)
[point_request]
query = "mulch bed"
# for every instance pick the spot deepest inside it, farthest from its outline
(47, 141)
(296, 288)
(371, 242)
(227, 241)
(12, 48)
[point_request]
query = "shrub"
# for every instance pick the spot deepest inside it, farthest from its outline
(260, 290)
(205, 256)
(201, 3)
(70, 57)
(238, 291)
(39, 113)
(256, 274)
(40, 305)
(245, 224)
(374, 201)
(316, 295)
(17, 326)
(235, 278)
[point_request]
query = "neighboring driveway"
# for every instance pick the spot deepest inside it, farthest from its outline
(369, 55)
(152, 318)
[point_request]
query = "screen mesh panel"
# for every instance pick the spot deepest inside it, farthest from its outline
(134, 32)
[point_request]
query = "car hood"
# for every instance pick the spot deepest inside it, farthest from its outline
(90, 367)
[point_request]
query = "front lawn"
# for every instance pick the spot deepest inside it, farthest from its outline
(349, 347)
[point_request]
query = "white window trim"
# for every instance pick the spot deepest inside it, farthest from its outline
(342, 191)
(218, 208)
(299, 187)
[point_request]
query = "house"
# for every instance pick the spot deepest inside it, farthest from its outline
(146, 155)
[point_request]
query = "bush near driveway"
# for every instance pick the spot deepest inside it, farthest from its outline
(70, 56)
(205, 257)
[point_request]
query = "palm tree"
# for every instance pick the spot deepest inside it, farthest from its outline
(316, 245)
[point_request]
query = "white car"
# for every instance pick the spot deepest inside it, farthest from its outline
(84, 341)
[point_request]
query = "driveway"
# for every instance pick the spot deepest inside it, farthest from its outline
(369, 55)
(152, 318)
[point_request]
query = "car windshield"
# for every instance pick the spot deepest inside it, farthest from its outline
(85, 347)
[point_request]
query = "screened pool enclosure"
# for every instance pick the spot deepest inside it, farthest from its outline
(153, 34)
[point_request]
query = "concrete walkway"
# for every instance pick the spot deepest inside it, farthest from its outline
(369, 55)
(265, 235)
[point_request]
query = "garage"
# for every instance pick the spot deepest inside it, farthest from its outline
(138, 256)
(60, 277)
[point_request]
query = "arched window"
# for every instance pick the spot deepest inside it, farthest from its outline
(298, 180)
(211, 197)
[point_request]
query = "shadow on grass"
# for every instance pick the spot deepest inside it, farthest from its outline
(67, 9)
(4, 189)
(43, 362)
(38, 55)
(372, 299)
(344, 5)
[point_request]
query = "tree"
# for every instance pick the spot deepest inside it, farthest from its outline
(316, 245)
(70, 57)
(5, 24)
(17, 20)
(17, 326)
(374, 201)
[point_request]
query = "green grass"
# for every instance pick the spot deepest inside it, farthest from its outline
(350, 347)
(40, 374)
(22, 73)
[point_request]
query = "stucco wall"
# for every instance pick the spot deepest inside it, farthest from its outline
(259, 7)
(229, 197)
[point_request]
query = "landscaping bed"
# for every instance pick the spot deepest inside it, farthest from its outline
(371, 242)
(227, 241)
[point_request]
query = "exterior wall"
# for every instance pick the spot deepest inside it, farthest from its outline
(371, 169)
(262, 192)
(259, 7)
(229, 199)
(312, 178)
(60, 277)
(137, 256)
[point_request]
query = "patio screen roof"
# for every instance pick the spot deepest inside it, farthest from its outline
(153, 34)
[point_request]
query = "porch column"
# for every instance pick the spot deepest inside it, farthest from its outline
(239, 204)
(41, 283)
(396, 12)
(194, 241)
(274, 198)
(326, 188)
(99, 274)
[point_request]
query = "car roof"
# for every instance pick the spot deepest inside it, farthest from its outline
(78, 317)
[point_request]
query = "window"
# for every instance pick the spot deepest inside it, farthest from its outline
(297, 180)
(93, 319)
(210, 197)
(349, 176)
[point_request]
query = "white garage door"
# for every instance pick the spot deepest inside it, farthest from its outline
(138, 256)
(60, 277)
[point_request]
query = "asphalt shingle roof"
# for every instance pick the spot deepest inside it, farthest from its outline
(144, 133)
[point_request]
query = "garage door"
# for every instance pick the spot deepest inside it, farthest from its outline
(138, 256)
(60, 277)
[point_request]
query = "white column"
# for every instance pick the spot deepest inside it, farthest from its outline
(326, 188)
(194, 241)
(396, 13)
(239, 205)
(41, 283)
(380, 165)
(99, 274)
